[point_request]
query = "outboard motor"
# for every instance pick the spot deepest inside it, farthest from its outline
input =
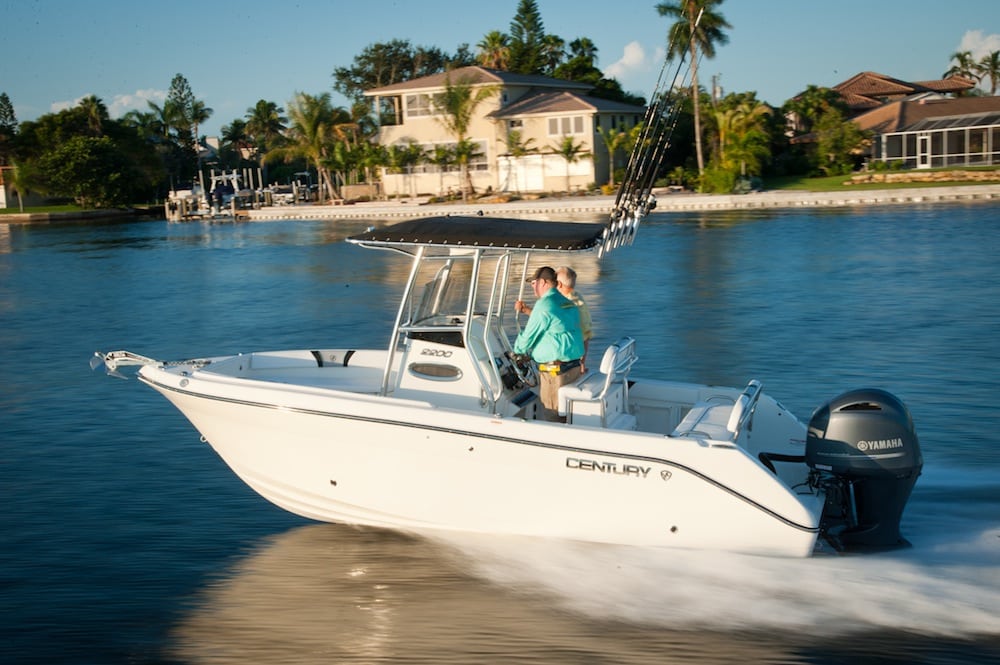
(863, 451)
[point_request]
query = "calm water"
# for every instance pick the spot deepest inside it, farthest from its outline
(126, 540)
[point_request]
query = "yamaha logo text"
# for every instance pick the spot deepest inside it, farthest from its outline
(881, 444)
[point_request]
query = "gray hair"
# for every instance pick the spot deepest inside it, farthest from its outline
(568, 276)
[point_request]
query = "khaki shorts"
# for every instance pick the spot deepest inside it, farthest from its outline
(549, 384)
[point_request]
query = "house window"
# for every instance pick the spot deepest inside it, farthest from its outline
(421, 104)
(480, 162)
(566, 125)
(516, 124)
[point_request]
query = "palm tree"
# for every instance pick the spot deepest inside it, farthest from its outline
(167, 117)
(368, 157)
(633, 136)
(698, 28)
(442, 157)
(553, 52)
(266, 124)
(583, 48)
(402, 158)
(517, 147)
(172, 139)
(613, 140)
(309, 136)
(147, 123)
(96, 113)
(494, 50)
(964, 66)
(346, 145)
(989, 68)
(16, 176)
(571, 151)
(235, 137)
(465, 151)
(748, 140)
(198, 113)
(456, 105)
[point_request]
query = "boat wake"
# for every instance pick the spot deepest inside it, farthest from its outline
(947, 584)
(453, 598)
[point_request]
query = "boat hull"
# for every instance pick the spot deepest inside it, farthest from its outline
(363, 459)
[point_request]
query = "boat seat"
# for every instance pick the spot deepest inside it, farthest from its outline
(708, 419)
(600, 399)
(720, 418)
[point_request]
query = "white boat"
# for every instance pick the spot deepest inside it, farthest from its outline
(221, 200)
(439, 428)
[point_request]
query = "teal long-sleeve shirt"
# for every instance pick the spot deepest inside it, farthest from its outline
(552, 331)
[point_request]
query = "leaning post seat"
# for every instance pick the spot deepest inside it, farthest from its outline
(720, 417)
(600, 399)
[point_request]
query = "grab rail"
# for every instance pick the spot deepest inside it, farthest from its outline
(744, 408)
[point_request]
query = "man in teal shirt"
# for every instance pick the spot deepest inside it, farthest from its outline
(553, 337)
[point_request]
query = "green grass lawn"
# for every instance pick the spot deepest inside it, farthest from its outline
(29, 209)
(68, 207)
(835, 183)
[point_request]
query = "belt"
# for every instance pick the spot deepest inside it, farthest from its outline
(558, 366)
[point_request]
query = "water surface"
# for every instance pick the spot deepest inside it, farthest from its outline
(127, 540)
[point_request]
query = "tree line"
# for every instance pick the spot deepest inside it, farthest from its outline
(720, 142)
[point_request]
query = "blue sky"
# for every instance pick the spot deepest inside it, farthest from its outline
(55, 52)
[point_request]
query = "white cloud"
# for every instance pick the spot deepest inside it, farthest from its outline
(119, 104)
(978, 44)
(633, 60)
(137, 101)
(637, 69)
(62, 106)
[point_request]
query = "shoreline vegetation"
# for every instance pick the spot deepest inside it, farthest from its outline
(868, 193)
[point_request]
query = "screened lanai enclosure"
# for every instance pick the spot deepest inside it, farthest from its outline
(966, 140)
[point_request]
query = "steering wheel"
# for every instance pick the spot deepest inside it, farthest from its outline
(524, 368)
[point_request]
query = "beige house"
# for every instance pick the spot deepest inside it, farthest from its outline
(541, 110)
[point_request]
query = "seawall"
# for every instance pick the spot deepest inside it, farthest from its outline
(665, 202)
(572, 205)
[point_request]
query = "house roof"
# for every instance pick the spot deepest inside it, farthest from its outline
(476, 75)
(903, 115)
(873, 84)
(870, 89)
(950, 84)
(562, 101)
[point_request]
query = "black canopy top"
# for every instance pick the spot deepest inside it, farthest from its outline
(501, 233)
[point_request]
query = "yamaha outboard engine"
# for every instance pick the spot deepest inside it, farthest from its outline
(864, 453)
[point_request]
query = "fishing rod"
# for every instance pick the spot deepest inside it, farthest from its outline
(634, 199)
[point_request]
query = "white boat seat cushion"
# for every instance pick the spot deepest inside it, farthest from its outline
(600, 398)
(707, 420)
(584, 389)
